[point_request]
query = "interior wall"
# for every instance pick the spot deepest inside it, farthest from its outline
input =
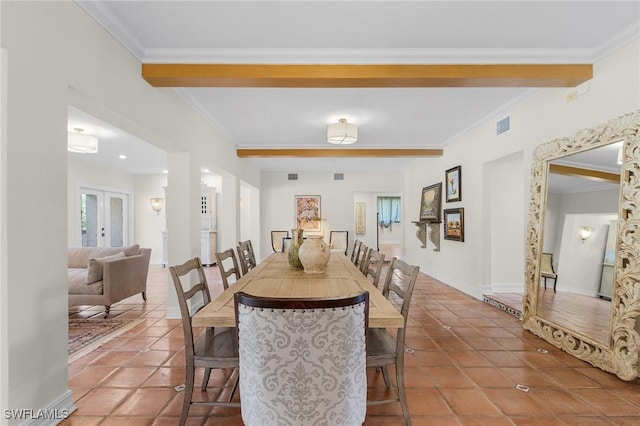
(337, 201)
(74, 62)
(580, 262)
(505, 230)
(561, 205)
(543, 116)
(149, 225)
(250, 217)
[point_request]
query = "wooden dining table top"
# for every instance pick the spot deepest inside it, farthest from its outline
(275, 278)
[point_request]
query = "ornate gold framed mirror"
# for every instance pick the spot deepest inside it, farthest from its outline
(611, 345)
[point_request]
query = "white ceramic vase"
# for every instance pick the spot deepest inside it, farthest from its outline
(314, 254)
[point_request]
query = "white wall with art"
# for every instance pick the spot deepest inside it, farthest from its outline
(337, 200)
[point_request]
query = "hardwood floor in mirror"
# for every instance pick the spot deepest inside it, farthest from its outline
(587, 315)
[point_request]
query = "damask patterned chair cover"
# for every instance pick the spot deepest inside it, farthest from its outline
(302, 361)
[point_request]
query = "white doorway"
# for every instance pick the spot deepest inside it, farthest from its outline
(103, 218)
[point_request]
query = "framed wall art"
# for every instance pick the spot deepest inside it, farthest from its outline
(361, 217)
(454, 224)
(430, 203)
(453, 180)
(307, 208)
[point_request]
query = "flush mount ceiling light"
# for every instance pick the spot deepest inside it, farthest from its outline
(81, 143)
(342, 133)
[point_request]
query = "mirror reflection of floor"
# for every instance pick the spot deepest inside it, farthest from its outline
(583, 314)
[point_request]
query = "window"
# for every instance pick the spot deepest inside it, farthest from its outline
(388, 211)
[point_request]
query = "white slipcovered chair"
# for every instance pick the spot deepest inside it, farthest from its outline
(302, 361)
(339, 241)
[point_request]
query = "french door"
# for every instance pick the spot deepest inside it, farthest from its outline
(103, 218)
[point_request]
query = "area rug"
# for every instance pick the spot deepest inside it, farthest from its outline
(85, 335)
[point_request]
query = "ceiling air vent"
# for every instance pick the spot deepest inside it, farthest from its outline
(292, 176)
(503, 125)
(338, 176)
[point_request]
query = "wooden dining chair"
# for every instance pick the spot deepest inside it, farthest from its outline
(228, 266)
(362, 255)
(355, 251)
(252, 252)
(214, 349)
(276, 240)
(303, 361)
(245, 257)
(387, 349)
(372, 266)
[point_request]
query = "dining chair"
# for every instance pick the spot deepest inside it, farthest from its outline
(228, 265)
(384, 348)
(362, 255)
(245, 258)
(276, 240)
(286, 242)
(339, 241)
(252, 252)
(355, 251)
(302, 361)
(214, 349)
(372, 266)
(547, 271)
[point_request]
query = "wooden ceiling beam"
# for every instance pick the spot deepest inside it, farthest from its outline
(391, 75)
(337, 153)
(590, 174)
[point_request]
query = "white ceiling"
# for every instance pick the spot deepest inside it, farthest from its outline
(359, 32)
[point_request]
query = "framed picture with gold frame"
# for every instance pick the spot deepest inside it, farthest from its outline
(430, 203)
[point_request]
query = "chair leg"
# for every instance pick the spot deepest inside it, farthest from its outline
(235, 385)
(555, 281)
(188, 394)
(402, 395)
(205, 379)
(545, 283)
(144, 296)
(385, 376)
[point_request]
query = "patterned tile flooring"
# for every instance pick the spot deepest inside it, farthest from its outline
(467, 361)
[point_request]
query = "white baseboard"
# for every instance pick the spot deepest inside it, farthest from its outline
(504, 288)
(52, 415)
(173, 313)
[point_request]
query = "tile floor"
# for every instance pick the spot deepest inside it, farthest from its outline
(467, 359)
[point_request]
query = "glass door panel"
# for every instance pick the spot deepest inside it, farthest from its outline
(103, 218)
(115, 227)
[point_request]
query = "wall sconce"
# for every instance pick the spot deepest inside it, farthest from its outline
(586, 232)
(157, 204)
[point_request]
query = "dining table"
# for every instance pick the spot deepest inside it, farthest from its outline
(273, 277)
